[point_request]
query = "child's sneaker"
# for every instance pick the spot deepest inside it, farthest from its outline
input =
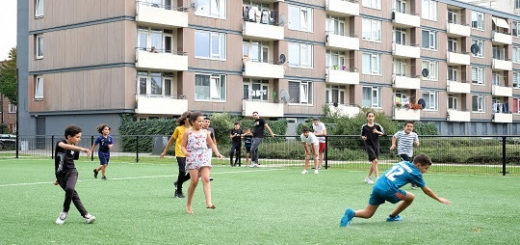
(178, 194)
(95, 173)
(316, 171)
(61, 219)
(393, 219)
(104, 178)
(414, 186)
(369, 181)
(347, 217)
(89, 218)
(304, 171)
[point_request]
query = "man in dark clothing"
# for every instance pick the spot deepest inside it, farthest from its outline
(258, 136)
(236, 144)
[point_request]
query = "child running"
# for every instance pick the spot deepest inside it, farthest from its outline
(387, 189)
(311, 146)
(195, 144)
(248, 141)
(405, 140)
(105, 142)
(370, 133)
(66, 174)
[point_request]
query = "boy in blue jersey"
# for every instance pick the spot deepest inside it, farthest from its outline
(387, 187)
(105, 142)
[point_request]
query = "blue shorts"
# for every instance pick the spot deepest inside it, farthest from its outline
(379, 196)
(248, 148)
(104, 157)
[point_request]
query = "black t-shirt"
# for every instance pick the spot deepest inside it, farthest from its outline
(248, 140)
(258, 130)
(237, 139)
(64, 159)
(372, 138)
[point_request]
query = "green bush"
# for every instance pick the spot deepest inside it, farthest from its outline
(130, 126)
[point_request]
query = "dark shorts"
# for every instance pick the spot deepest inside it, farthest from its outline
(379, 196)
(248, 148)
(322, 147)
(373, 152)
(104, 157)
(405, 157)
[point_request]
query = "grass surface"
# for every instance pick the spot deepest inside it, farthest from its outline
(254, 206)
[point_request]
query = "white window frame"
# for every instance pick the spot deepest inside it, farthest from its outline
(341, 94)
(148, 31)
(402, 35)
(400, 67)
(264, 89)
(480, 75)
(335, 25)
(402, 97)
(481, 44)
(373, 4)
(148, 77)
(480, 20)
(374, 65)
(39, 87)
(371, 30)
(39, 8)
(429, 10)
(432, 40)
(453, 71)
(431, 95)
(433, 70)
(304, 95)
(221, 37)
(516, 54)
(217, 9)
(262, 49)
(454, 102)
(516, 79)
(39, 46)
(454, 16)
(333, 57)
(304, 18)
(212, 92)
(375, 96)
(480, 104)
(516, 29)
(304, 50)
(453, 44)
(12, 108)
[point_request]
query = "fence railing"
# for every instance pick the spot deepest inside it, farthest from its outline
(465, 154)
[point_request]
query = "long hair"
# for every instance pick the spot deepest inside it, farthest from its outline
(101, 127)
(183, 118)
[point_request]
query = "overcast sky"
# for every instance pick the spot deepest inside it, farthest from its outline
(8, 24)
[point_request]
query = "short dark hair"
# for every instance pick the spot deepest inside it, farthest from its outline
(101, 127)
(422, 159)
(255, 112)
(315, 119)
(237, 123)
(183, 118)
(305, 129)
(408, 122)
(368, 112)
(72, 130)
(206, 118)
(194, 116)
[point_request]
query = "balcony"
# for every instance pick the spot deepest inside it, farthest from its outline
(458, 116)
(161, 61)
(407, 114)
(502, 65)
(157, 15)
(406, 51)
(344, 110)
(342, 7)
(459, 30)
(458, 87)
(501, 91)
(405, 20)
(458, 58)
(406, 82)
(342, 76)
(502, 117)
(264, 108)
(264, 70)
(341, 42)
(502, 38)
(262, 31)
(159, 105)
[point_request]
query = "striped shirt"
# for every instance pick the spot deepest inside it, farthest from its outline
(405, 142)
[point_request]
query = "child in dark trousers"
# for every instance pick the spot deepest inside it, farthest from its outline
(370, 133)
(236, 144)
(248, 141)
(66, 174)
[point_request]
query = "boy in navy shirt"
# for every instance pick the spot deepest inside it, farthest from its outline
(105, 142)
(387, 187)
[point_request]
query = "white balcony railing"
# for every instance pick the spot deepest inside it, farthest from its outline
(502, 117)
(342, 42)
(264, 108)
(160, 15)
(406, 51)
(406, 82)
(342, 77)
(406, 19)
(459, 30)
(161, 61)
(458, 116)
(502, 65)
(265, 70)
(344, 110)
(502, 38)
(263, 31)
(458, 87)
(407, 114)
(159, 105)
(342, 7)
(501, 91)
(458, 58)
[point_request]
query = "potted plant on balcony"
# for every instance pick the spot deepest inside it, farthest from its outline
(398, 104)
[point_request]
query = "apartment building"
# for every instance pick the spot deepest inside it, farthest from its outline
(90, 61)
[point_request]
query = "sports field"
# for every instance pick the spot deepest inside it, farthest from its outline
(254, 206)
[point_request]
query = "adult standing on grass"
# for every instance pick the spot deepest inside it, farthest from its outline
(105, 142)
(370, 133)
(311, 146)
(320, 131)
(236, 135)
(66, 174)
(258, 137)
(405, 139)
(184, 124)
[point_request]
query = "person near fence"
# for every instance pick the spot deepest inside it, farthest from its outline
(311, 146)
(105, 142)
(195, 144)
(66, 151)
(370, 133)
(320, 131)
(405, 139)
(236, 145)
(205, 125)
(183, 125)
(248, 140)
(258, 137)
(387, 188)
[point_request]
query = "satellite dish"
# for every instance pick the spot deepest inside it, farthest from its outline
(475, 49)
(422, 103)
(194, 4)
(425, 72)
(284, 96)
(283, 20)
(282, 59)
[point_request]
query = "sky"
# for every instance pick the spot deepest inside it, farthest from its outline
(8, 24)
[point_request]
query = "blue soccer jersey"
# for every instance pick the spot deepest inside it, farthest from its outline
(104, 142)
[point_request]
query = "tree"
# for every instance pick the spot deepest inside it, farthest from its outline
(8, 85)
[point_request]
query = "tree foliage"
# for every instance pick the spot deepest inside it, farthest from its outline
(8, 85)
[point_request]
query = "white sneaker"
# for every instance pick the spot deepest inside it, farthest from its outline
(61, 219)
(304, 171)
(316, 171)
(89, 218)
(369, 181)
(255, 165)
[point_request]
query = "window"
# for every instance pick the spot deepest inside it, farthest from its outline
(372, 97)
(477, 103)
(211, 8)
(335, 25)
(430, 98)
(155, 40)
(452, 45)
(211, 45)
(477, 20)
(496, 78)
(12, 108)
(38, 88)
(480, 44)
(432, 67)
(300, 55)
(516, 54)
(400, 6)
(335, 60)
(300, 92)
(335, 95)
(154, 84)
(516, 28)
(400, 36)
(477, 75)
(452, 102)
(429, 39)
(402, 98)
(372, 64)
(38, 8)
(256, 89)
(39, 46)
(371, 30)
(516, 107)
(517, 4)
(429, 9)
(210, 87)
(499, 53)
(256, 51)
(452, 17)
(300, 18)
(375, 4)
(400, 67)
(452, 73)
(516, 79)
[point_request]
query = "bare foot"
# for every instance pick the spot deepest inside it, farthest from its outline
(189, 210)
(212, 206)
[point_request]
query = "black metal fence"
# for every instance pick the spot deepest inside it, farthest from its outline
(457, 154)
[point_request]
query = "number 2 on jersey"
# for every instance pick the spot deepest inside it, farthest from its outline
(395, 171)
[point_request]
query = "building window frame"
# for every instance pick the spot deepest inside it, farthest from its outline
(260, 94)
(429, 10)
(374, 99)
(432, 100)
(478, 20)
(373, 4)
(335, 94)
(215, 82)
(300, 18)
(453, 102)
(429, 40)
(371, 64)
(433, 68)
(305, 92)
(39, 88)
(301, 55)
(211, 8)
(39, 46)
(371, 30)
(477, 75)
(481, 45)
(39, 8)
(478, 104)
(215, 41)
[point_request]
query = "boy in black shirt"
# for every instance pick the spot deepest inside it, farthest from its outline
(236, 144)
(66, 174)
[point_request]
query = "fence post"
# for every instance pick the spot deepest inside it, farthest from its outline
(326, 152)
(137, 149)
(503, 155)
(91, 143)
(52, 147)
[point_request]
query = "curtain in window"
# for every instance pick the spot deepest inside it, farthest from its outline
(202, 87)
(367, 97)
(294, 92)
